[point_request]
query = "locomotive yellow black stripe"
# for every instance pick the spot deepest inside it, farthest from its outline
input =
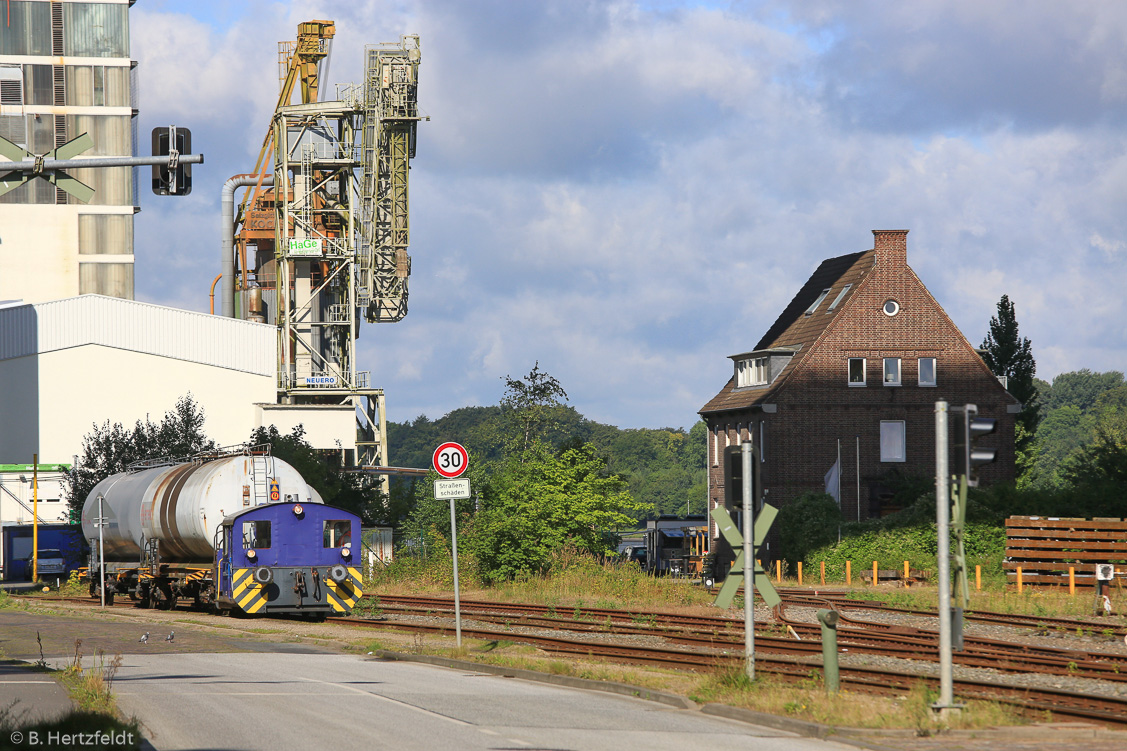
(344, 596)
(247, 593)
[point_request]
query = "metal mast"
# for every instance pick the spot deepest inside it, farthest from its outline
(341, 233)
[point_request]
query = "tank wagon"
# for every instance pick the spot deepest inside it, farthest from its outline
(236, 532)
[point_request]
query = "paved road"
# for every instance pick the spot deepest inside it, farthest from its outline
(339, 702)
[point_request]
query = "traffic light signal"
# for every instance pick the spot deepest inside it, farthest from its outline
(176, 181)
(969, 427)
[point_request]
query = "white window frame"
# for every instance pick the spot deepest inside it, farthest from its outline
(751, 372)
(888, 436)
(864, 371)
(884, 372)
(934, 372)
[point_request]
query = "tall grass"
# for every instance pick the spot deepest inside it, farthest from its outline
(574, 579)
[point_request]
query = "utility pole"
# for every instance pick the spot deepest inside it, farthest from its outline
(34, 517)
(946, 703)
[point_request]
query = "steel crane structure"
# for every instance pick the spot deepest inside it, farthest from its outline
(325, 247)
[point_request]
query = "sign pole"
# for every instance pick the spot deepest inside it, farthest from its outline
(457, 599)
(450, 461)
(101, 550)
(34, 517)
(943, 515)
(749, 565)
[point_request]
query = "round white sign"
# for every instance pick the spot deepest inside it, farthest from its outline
(450, 459)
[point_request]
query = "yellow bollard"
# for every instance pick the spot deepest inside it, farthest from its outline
(823, 573)
(907, 573)
(874, 573)
(848, 573)
(1072, 580)
(978, 578)
(800, 573)
(1019, 579)
(779, 571)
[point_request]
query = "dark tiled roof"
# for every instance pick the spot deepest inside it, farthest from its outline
(793, 328)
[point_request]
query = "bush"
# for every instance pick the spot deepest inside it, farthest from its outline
(811, 521)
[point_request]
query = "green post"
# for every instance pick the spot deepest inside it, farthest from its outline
(828, 619)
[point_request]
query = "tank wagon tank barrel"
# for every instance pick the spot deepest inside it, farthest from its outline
(180, 505)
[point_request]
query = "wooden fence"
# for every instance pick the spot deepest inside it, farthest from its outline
(1044, 548)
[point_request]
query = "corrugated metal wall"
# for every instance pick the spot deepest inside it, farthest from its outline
(138, 327)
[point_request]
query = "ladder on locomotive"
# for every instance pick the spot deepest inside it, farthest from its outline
(261, 472)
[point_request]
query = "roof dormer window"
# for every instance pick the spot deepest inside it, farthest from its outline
(751, 372)
(812, 308)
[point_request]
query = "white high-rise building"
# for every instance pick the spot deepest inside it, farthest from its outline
(65, 70)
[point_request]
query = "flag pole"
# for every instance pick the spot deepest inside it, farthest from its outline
(858, 478)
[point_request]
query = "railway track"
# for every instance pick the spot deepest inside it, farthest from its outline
(1030, 701)
(876, 639)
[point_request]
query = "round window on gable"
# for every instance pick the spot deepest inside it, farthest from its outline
(891, 307)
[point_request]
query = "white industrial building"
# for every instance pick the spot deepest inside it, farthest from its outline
(70, 364)
(65, 70)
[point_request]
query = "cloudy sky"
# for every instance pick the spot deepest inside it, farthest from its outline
(629, 192)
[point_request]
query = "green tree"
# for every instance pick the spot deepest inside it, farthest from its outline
(533, 405)
(1081, 389)
(810, 521)
(1010, 355)
(1104, 458)
(538, 501)
(109, 449)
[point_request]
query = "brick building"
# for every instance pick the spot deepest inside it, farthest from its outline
(860, 355)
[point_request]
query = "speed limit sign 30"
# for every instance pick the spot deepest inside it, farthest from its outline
(450, 459)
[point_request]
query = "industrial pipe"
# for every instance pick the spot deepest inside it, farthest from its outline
(227, 236)
(211, 297)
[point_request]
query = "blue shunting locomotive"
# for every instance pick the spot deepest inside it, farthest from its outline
(288, 558)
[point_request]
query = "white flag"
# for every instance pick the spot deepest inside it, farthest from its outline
(833, 482)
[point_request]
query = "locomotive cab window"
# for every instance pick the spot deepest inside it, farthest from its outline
(338, 533)
(256, 535)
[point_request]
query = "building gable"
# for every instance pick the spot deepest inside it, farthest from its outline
(891, 314)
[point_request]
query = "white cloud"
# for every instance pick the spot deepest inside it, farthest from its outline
(629, 196)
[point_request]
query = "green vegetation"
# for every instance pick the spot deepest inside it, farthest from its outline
(808, 701)
(662, 467)
(1081, 441)
(109, 449)
(533, 500)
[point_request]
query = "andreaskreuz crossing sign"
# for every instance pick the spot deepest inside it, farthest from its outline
(450, 459)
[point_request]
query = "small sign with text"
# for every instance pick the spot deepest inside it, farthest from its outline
(452, 489)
